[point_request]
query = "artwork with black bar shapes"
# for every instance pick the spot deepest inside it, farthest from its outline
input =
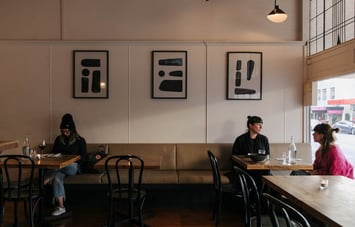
(169, 74)
(90, 78)
(244, 75)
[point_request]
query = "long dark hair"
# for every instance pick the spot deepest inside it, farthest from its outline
(328, 137)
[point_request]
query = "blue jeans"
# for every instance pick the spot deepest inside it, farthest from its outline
(56, 177)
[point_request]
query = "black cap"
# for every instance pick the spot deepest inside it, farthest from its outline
(67, 122)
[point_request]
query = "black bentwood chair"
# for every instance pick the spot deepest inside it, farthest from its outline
(291, 216)
(125, 187)
(220, 188)
(16, 185)
(251, 198)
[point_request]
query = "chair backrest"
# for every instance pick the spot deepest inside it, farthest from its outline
(215, 170)
(251, 197)
(16, 172)
(288, 212)
(121, 169)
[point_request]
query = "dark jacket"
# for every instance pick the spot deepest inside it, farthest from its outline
(243, 144)
(74, 145)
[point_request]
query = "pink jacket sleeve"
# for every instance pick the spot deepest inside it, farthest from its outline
(333, 162)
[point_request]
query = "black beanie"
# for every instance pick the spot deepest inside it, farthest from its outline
(67, 122)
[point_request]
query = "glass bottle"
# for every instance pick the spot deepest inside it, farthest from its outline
(26, 146)
(292, 151)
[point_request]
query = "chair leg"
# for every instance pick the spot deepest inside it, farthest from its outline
(25, 209)
(140, 212)
(33, 208)
(214, 207)
(2, 212)
(110, 214)
(15, 214)
(218, 208)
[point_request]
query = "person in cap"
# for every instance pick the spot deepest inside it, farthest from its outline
(252, 140)
(69, 142)
(330, 160)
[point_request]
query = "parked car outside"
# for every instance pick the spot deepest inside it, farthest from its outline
(345, 127)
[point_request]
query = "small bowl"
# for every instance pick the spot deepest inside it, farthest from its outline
(257, 157)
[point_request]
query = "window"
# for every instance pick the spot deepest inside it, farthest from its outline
(331, 22)
(338, 110)
(324, 94)
(332, 93)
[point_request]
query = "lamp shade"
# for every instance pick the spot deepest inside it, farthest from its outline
(277, 15)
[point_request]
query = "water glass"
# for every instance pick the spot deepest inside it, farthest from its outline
(284, 158)
(33, 154)
(323, 184)
(262, 151)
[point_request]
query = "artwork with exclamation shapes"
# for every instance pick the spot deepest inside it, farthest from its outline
(91, 77)
(244, 75)
(169, 74)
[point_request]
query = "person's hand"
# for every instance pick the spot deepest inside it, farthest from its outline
(313, 172)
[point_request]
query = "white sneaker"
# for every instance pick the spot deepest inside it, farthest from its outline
(58, 211)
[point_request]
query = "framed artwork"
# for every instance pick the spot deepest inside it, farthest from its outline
(244, 75)
(169, 74)
(90, 78)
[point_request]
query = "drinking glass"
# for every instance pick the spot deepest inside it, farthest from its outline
(42, 146)
(323, 184)
(284, 158)
(262, 151)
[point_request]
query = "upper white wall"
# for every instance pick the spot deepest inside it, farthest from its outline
(37, 74)
(37, 91)
(162, 20)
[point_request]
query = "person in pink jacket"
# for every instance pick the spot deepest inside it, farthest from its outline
(329, 160)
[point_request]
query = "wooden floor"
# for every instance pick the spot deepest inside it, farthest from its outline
(161, 217)
(90, 209)
(185, 209)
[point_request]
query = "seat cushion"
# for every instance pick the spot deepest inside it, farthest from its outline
(199, 177)
(150, 176)
(165, 153)
(84, 178)
(194, 156)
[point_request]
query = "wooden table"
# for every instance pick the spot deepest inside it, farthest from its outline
(272, 164)
(8, 144)
(50, 162)
(333, 205)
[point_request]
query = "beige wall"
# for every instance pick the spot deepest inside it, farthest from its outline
(153, 20)
(36, 69)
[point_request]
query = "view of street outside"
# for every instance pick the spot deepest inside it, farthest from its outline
(336, 106)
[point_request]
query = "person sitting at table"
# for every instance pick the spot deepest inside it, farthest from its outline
(69, 142)
(250, 142)
(330, 160)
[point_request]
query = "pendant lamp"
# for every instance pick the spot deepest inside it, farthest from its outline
(277, 15)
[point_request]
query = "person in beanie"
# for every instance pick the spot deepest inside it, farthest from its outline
(69, 142)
